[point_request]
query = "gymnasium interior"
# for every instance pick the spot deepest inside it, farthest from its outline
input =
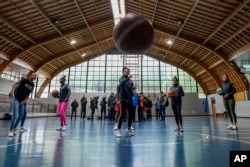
(196, 40)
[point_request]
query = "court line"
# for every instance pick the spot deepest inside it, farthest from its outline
(223, 138)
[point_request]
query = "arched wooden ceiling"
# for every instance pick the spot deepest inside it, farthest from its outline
(210, 33)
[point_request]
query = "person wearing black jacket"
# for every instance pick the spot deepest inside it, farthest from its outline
(103, 107)
(124, 96)
(176, 103)
(83, 106)
(20, 96)
(228, 91)
(74, 106)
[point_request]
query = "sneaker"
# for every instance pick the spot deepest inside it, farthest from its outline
(181, 130)
(118, 133)
(59, 128)
(64, 128)
(23, 129)
(229, 126)
(132, 128)
(177, 129)
(116, 126)
(130, 132)
(11, 134)
(234, 127)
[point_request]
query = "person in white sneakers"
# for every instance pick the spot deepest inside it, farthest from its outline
(228, 91)
(20, 96)
(64, 95)
(124, 96)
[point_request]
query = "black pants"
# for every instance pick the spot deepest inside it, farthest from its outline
(73, 111)
(111, 114)
(140, 113)
(126, 105)
(177, 113)
(83, 112)
(103, 112)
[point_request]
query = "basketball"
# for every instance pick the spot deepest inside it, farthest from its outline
(55, 93)
(219, 90)
(171, 93)
(133, 34)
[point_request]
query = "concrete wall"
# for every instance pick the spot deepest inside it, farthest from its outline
(242, 108)
(5, 86)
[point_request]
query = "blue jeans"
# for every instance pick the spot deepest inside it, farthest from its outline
(162, 112)
(17, 113)
(24, 114)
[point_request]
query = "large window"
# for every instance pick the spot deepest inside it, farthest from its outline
(101, 75)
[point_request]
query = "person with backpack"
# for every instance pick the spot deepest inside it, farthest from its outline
(163, 105)
(176, 103)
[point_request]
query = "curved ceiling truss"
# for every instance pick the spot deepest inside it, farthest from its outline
(39, 33)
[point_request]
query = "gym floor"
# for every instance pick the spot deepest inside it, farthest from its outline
(205, 142)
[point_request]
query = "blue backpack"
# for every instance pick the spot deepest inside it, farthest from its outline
(135, 99)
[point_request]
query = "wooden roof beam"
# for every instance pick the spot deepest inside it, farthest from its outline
(45, 16)
(11, 42)
(68, 52)
(17, 29)
(233, 35)
(188, 16)
(243, 4)
(86, 22)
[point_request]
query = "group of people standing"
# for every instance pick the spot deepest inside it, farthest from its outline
(124, 103)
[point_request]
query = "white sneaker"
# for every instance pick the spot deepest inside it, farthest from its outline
(229, 126)
(116, 126)
(130, 132)
(234, 127)
(23, 129)
(11, 134)
(132, 128)
(64, 128)
(59, 128)
(118, 133)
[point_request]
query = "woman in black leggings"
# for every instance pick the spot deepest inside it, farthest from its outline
(176, 103)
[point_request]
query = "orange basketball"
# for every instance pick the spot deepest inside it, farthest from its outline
(55, 93)
(171, 93)
(133, 34)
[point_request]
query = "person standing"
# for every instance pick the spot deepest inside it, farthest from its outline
(13, 90)
(157, 107)
(111, 106)
(176, 102)
(141, 107)
(20, 96)
(64, 95)
(124, 95)
(74, 106)
(83, 106)
(163, 102)
(103, 107)
(228, 91)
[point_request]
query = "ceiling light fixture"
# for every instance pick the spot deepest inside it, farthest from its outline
(169, 42)
(84, 54)
(72, 41)
(118, 9)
